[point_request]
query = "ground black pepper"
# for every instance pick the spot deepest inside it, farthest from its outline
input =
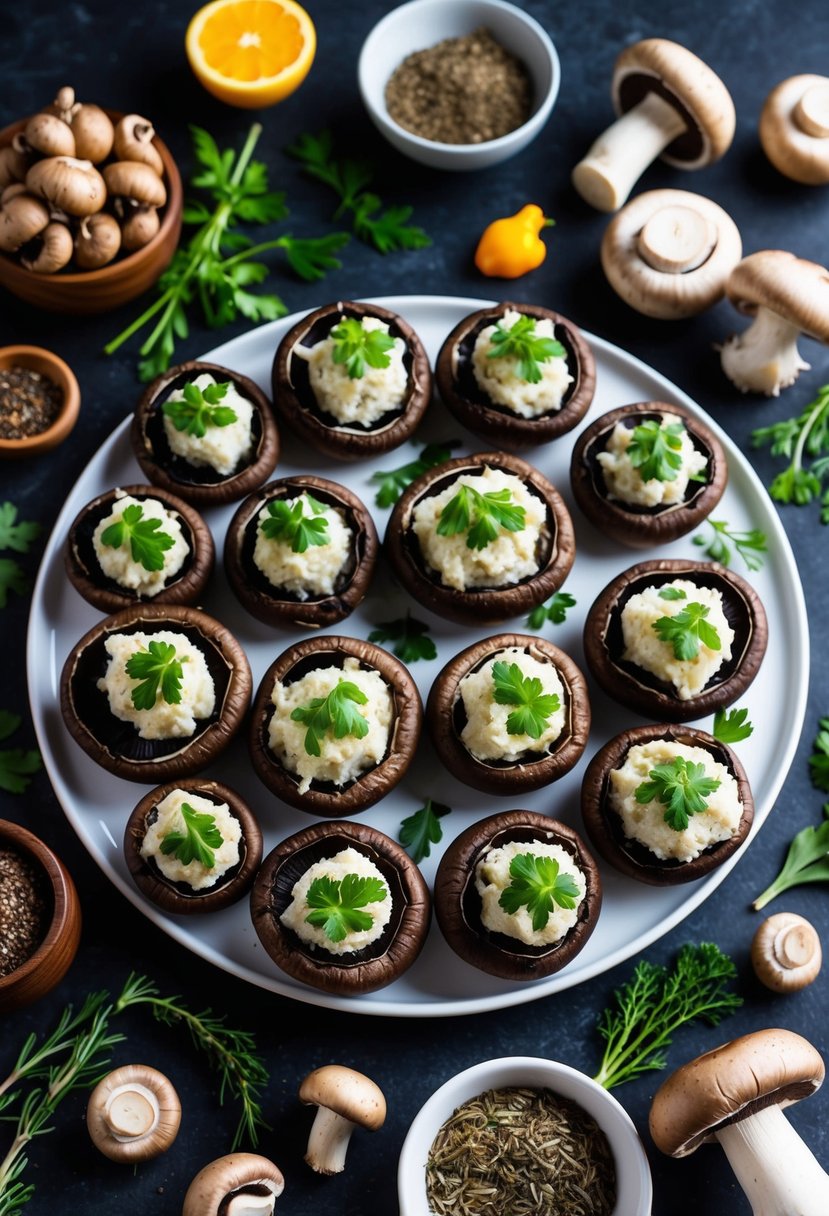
(24, 910)
(29, 402)
(461, 91)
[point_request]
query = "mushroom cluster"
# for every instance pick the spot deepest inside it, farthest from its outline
(77, 188)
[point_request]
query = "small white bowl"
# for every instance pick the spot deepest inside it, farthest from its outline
(634, 1190)
(423, 23)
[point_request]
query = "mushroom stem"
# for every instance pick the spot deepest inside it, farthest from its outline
(246, 1203)
(677, 239)
(131, 1112)
(765, 357)
(328, 1142)
(812, 111)
(778, 1173)
(607, 174)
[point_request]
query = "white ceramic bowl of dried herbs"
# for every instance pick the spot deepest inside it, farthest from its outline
(521, 1135)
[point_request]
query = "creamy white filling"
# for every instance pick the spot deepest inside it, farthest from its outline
(341, 760)
(645, 822)
(492, 877)
(170, 819)
(314, 572)
(222, 448)
(118, 564)
(645, 648)
(506, 560)
(348, 861)
(499, 377)
(364, 399)
(163, 720)
(485, 734)
(624, 481)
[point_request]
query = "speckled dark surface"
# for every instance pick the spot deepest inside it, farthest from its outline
(131, 57)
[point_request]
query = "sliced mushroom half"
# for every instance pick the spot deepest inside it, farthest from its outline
(240, 1184)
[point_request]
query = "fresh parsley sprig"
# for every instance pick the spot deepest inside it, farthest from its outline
(336, 904)
(198, 840)
(387, 231)
(534, 707)
(200, 408)
(17, 765)
(289, 523)
(804, 440)
(656, 450)
(334, 713)
(819, 759)
(481, 516)
(521, 343)
(418, 832)
(156, 667)
(555, 610)
(681, 786)
(18, 537)
(687, 630)
(147, 541)
(806, 861)
(410, 637)
(355, 346)
(393, 482)
(536, 882)
(732, 726)
(751, 544)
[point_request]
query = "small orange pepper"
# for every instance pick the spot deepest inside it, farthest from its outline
(512, 246)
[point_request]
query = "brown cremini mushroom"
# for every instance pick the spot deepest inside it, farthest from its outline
(22, 218)
(136, 182)
(794, 129)
(55, 249)
(75, 186)
(670, 105)
(49, 135)
(787, 297)
(240, 1184)
(735, 1095)
(93, 132)
(346, 1099)
(785, 952)
(133, 1114)
(668, 253)
(139, 226)
(14, 164)
(97, 241)
(134, 141)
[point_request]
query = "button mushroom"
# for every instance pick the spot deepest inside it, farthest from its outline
(14, 162)
(241, 1184)
(671, 105)
(139, 226)
(794, 129)
(55, 249)
(668, 253)
(136, 182)
(73, 185)
(49, 135)
(97, 241)
(134, 141)
(787, 297)
(346, 1099)
(133, 1114)
(22, 217)
(734, 1094)
(93, 133)
(785, 952)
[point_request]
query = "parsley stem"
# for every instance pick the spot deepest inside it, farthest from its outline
(281, 242)
(800, 446)
(138, 323)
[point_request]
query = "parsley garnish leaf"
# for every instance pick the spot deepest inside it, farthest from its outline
(798, 439)
(16, 764)
(12, 578)
(521, 343)
(291, 524)
(335, 712)
(198, 840)
(337, 904)
(14, 535)
(687, 630)
(156, 667)
(806, 861)
(199, 409)
(681, 786)
(410, 637)
(148, 543)
(356, 346)
(672, 593)
(554, 610)
(731, 726)
(819, 759)
(418, 832)
(394, 481)
(534, 706)
(481, 516)
(751, 545)
(655, 450)
(537, 883)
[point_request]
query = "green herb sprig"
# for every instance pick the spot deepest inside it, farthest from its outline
(289, 523)
(656, 450)
(355, 347)
(418, 832)
(393, 482)
(334, 713)
(410, 637)
(534, 707)
(681, 786)
(147, 541)
(481, 516)
(537, 883)
(156, 667)
(336, 904)
(198, 839)
(751, 544)
(17, 764)
(529, 350)
(806, 861)
(732, 726)
(672, 593)
(17, 537)
(200, 408)
(555, 610)
(685, 631)
(804, 440)
(819, 759)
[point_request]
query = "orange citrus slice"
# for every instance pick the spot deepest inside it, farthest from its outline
(251, 53)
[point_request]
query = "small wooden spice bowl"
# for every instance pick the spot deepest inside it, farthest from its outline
(36, 359)
(46, 967)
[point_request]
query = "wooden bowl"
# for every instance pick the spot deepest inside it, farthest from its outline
(90, 291)
(47, 966)
(39, 360)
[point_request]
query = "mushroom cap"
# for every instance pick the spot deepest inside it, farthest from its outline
(224, 1176)
(133, 179)
(794, 129)
(696, 231)
(785, 952)
(347, 1093)
(766, 1068)
(143, 1124)
(656, 65)
(93, 131)
(790, 287)
(73, 185)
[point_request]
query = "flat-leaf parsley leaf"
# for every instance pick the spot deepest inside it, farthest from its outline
(410, 637)
(291, 524)
(819, 759)
(806, 861)
(148, 543)
(554, 610)
(335, 712)
(655, 450)
(355, 346)
(200, 408)
(681, 786)
(536, 882)
(685, 631)
(393, 482)
(336, 904)
(418, 832)
(481, 516)
(534, 706)
(751, 545)
(521, 343)
(731, 726)
(156, 667)
(198, 840)
(799, 438)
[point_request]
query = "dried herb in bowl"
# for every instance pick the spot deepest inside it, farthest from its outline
(29, 402)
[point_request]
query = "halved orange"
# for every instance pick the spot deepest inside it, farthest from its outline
(251, 53)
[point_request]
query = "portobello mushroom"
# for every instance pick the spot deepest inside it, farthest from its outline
(284, 607)
(202, 484)
(84, 569)
(498, 424)
(553, 555)
(647, 693)
(459, 907)
(629, 853)
(642, 525)
(115, 743)
(180, 896)
(375, 964)
(325, 795)
(296, 402)
(447, 716)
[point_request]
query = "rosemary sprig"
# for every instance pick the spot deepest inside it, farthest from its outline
(33, 1061)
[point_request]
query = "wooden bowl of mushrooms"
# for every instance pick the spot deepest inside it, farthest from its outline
(90, 207)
